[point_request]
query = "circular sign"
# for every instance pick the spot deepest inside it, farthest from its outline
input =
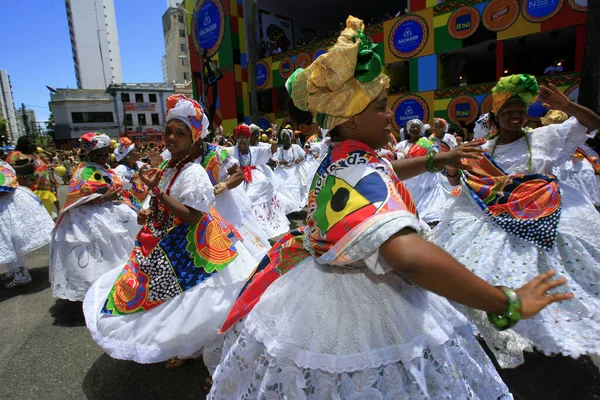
(408, 36)
(286, 67)
(407, 108)
(579, 5)
(500, 14)
(303, 60)
(487, 104)
(262, 74)
(573, 93)
(264, 122)
(319, 53)
(539, 11)
(463, 22)
(463, 108)
(208, 26)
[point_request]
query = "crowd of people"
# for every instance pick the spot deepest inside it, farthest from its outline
(183, 251)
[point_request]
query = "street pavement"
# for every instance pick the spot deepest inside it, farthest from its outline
(47, 353)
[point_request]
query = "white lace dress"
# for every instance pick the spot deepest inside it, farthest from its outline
(262, 190)
(183, 324)
(354, 331)
(570, 327)
(88, 241)
(427, 189)
(292, 177)
(25, 225)
(581, 175)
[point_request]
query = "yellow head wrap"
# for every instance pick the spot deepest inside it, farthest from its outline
(342, 82)
(554, 117)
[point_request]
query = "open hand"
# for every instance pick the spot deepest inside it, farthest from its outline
(150, 176)
(534, 296)
(452, 159)
(155, 158)
(552, 98)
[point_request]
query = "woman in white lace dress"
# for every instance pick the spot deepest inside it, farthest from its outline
(186, 269)
(128, 169)
(346, 313)
(260, 182)
(534, 223)
(96, 227)
(290, 172)
(25, 226)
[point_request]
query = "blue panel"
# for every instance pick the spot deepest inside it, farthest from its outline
(428, 75)
(481, 6)
(480, 98)
(247, 120)
(243, 60)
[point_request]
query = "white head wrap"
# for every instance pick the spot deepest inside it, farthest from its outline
(123, 150)
(481, 130)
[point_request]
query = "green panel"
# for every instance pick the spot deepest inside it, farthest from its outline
(277, 79)
(413, 67)
(226, 50)
(444, 42)
(441, 114)
(239, 104)
(235, 40)
(380, 49)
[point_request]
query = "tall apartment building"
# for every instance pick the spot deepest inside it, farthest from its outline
(95, 43)
(7, 107)
(176, 58)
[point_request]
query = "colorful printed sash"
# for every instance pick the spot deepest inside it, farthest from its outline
(39, 179)
(420, 148)
(8, 178)
(527, 206)
(444, 147)
(169, 257)
(351, 190)
(90, 181)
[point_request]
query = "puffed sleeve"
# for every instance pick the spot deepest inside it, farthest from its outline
(193, 188)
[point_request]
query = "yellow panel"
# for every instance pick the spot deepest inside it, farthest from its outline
(233, 7)
(431, 3)
(521, 27)
(441, 20)
(441, 104)
(428, 49)
(229, 125)
(242, 35)
(238, 72)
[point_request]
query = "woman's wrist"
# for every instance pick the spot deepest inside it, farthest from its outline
(155, 191)
(513, 311)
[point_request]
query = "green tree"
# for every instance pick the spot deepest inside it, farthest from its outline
(3, 132)
(50, 126)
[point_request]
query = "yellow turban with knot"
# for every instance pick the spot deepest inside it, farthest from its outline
(554, 117)
(342, 82)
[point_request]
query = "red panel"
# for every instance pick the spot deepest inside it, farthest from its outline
(238, 90)
(240, 12)
(234, 25)
(579, 47)
(244, 74)
(377, 38)
(227, 101)
(416, 5)
(565, 17)
(499, 59)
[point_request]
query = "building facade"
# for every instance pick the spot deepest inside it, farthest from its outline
(176, 62)
(7, 107)
(95, 43)
(28, 124)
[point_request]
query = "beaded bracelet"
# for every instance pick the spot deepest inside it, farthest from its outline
(430, 164)
(513, 312)
(220, 188)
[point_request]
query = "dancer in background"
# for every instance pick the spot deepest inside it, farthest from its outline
(440, 138)
(32, 172)
(128, 169)
(187, 267)
(512, 220)
(25, 226)
(260, 183)
(290, 172)
(349, 312)
(96, 227)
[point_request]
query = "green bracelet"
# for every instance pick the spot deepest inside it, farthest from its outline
(513, 312)
(430, 164)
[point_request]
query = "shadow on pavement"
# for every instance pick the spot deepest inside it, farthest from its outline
(551, 378)
(110, 379)
(67, 313)
(40, 283)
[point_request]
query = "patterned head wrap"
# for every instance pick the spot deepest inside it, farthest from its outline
(554, 117)
(94, 141)
(412, 122)
(342, 82)
(442, 122)
(242, 130)
(254, 128)
(287, 132)
(189, 112)
(125, 147)
(521, 86)
(481, 129)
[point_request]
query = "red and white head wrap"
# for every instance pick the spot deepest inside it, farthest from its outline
(125, 147)
(242, 130)
(189, 112)
(93, 141)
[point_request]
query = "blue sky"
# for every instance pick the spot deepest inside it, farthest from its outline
(36, 49)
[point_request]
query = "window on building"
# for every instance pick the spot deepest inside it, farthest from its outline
(87, 117)
(152, 97)
(155, 119)
(180, 18)
(139, 97)
(182, 46)
(185, 76)
(128, 120)
(142, 119)
(181, 33)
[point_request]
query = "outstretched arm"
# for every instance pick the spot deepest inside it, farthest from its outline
(553, 99)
